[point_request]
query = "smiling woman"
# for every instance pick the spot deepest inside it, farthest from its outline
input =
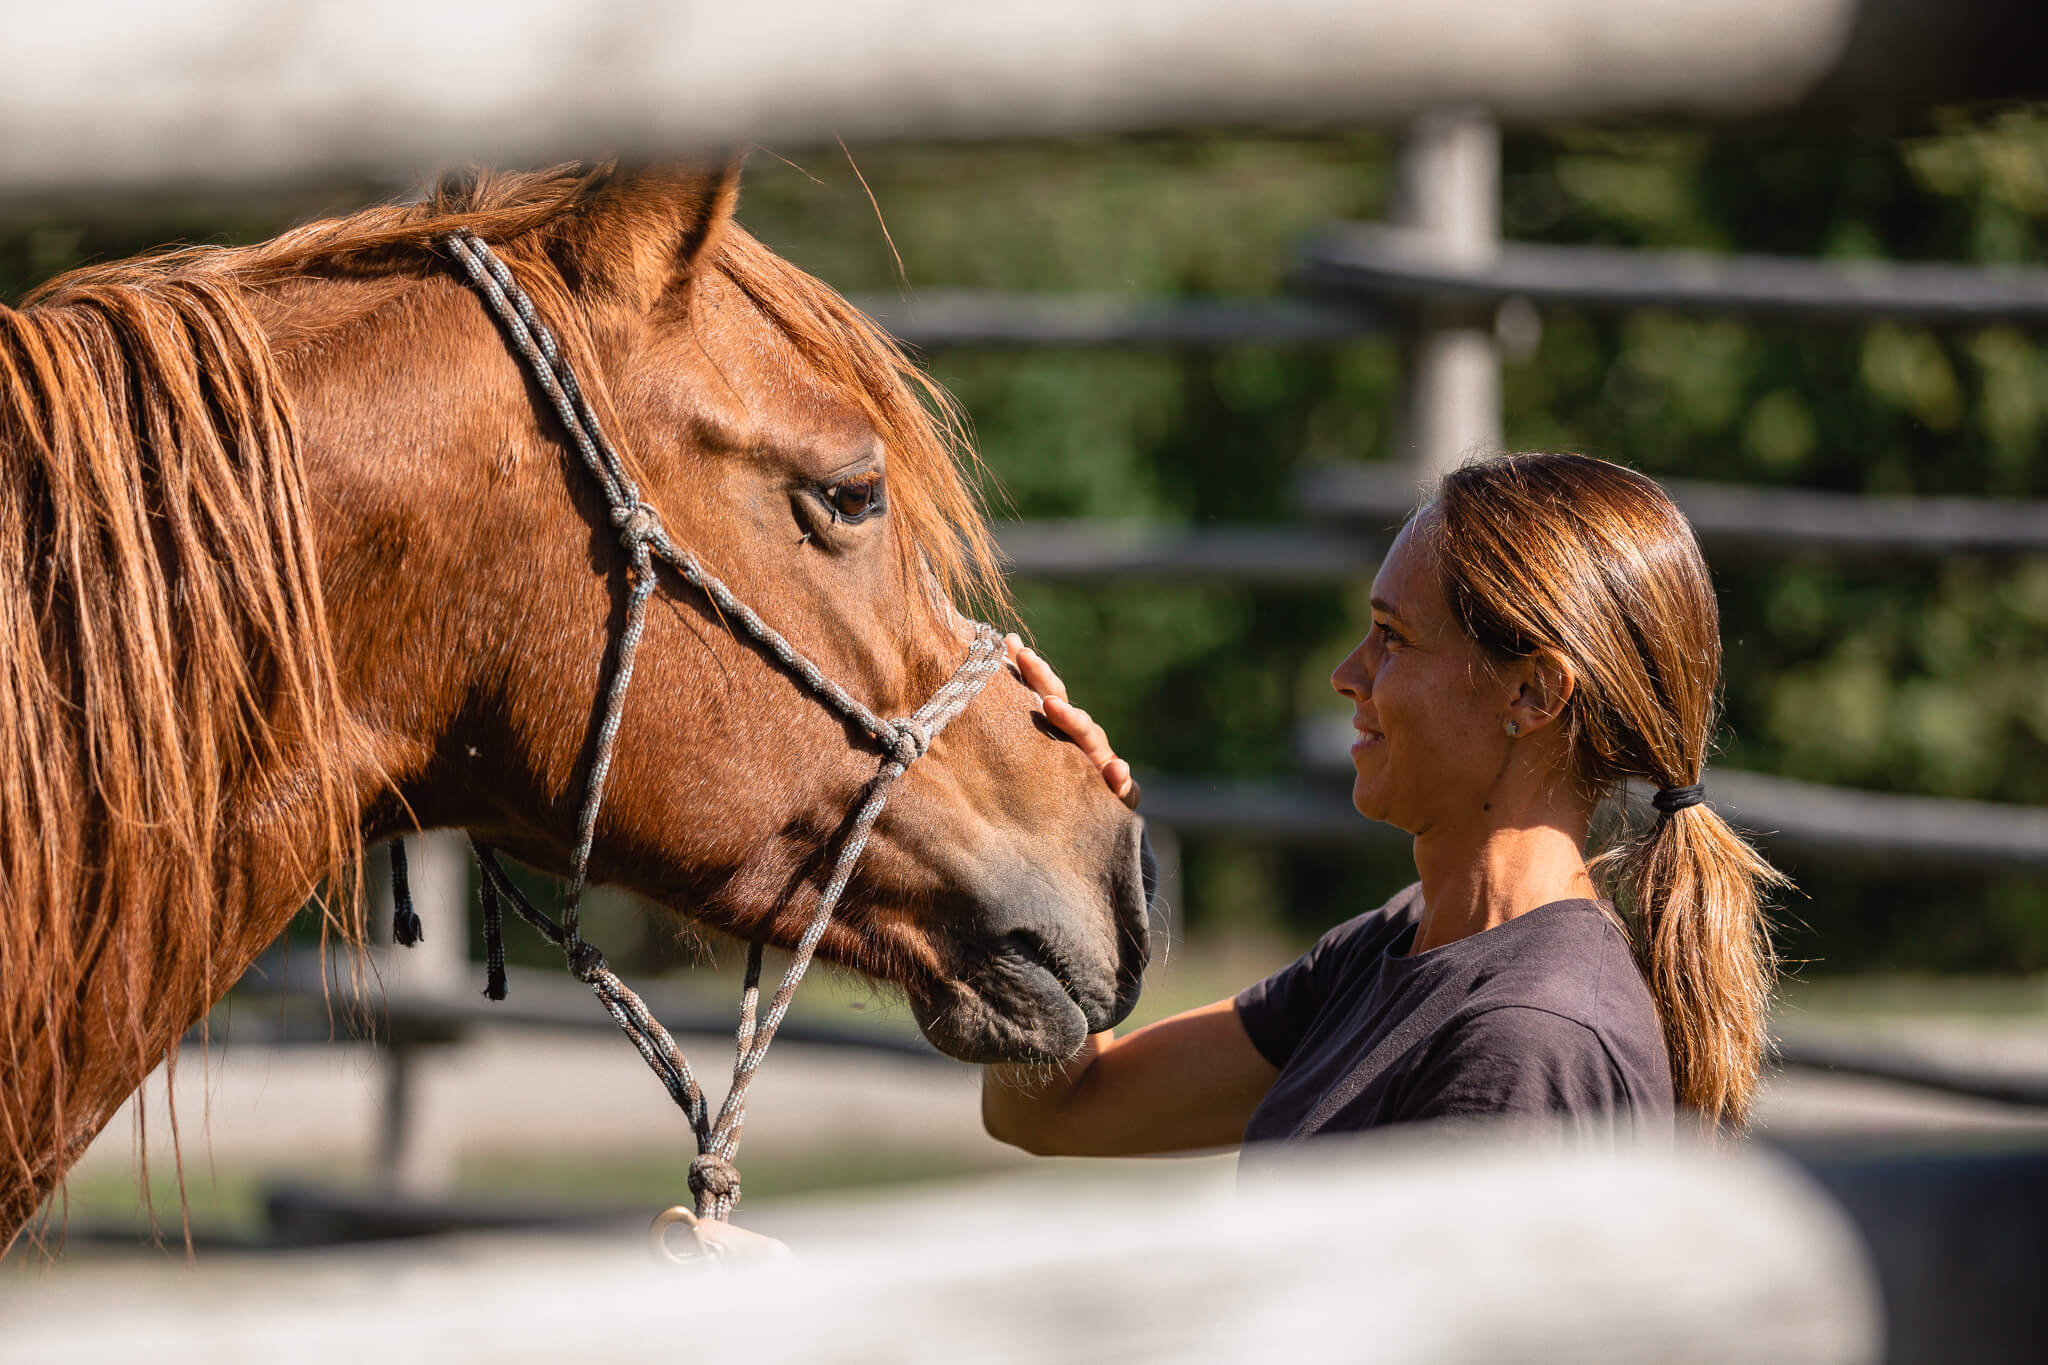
(1543, 630)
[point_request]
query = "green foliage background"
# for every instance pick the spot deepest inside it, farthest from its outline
(1929, 678)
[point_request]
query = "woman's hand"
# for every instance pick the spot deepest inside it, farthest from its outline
(1071, 720)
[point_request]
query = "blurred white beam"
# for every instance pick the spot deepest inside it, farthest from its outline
(1423, 1251)
(123, 93)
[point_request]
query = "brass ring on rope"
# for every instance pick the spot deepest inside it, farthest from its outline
(701, 1251)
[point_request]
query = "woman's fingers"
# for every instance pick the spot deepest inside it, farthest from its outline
(1036, 672)
(1071, 720)
(1080, 727)
(1117, 774)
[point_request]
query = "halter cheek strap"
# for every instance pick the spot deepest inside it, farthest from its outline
(714, 1180)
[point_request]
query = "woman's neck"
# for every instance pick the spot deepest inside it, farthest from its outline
(1475, 881)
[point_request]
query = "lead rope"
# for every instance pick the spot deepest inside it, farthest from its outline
(714, 1179)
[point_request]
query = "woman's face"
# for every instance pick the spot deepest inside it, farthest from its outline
(1429, 711)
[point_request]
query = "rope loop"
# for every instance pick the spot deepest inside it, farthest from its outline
(715, 1176)
(909, 741)
(638, 525)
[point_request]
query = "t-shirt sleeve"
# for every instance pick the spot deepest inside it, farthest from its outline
(1276, 1013)
(1520, 1062)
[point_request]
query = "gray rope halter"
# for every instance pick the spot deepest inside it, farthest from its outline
(714, 1180)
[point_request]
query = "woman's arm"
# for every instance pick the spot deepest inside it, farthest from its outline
(1179, 1085)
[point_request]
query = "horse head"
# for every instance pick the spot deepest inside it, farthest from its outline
(474, 584)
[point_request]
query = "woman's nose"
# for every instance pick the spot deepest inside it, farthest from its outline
(1350, 677)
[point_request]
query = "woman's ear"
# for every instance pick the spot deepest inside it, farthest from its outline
(1543, 683)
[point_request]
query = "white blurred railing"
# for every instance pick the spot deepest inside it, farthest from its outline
(107, 93)
(1399, 1253)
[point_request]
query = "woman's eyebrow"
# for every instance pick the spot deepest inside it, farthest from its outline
(1381, 604)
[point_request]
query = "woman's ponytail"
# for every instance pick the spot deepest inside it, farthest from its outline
(1692, 890)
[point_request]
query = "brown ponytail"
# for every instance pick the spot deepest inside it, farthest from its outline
(1695, 888)
(1592, 563)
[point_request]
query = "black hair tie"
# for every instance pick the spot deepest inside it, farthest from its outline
(1671, 800)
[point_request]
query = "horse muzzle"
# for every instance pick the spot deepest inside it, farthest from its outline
(1044, 969)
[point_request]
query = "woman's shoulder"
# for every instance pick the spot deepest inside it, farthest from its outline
(1571, 961)
(1341, 954)
(1370, 934)
(1571, 958)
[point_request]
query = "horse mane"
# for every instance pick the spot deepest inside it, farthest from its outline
(167, 668)
(166, 657)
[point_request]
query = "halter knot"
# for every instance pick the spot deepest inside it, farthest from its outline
(586, 963)
(909, 742)
(715, 1176)
(637, 524)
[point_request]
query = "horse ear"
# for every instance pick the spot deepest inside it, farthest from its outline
(721, 198)
(638, 233)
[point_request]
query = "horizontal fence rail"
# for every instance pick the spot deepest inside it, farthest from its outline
(327, 1006)
(1736, 519)
(1307, 810)
(102, 95)
(1378, 263)
(1278, 556)
(306, 1003)
(1877, 828)
(938, 318)
(321, 1007)
(1825, 1050)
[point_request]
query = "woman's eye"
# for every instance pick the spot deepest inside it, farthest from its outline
(1388, 635)
(855, 499)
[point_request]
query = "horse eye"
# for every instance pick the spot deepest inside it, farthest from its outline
(855, 499)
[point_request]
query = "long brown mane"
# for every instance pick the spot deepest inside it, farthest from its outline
(166, 653)
(167, 674)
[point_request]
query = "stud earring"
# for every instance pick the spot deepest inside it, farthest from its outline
(1514, 729)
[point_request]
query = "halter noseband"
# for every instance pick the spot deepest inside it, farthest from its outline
(714, 1180)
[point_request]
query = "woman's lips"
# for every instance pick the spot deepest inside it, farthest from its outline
(1367, 737)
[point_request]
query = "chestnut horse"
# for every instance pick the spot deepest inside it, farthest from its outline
(292, 560)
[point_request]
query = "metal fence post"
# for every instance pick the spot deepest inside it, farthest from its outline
(1448, 186)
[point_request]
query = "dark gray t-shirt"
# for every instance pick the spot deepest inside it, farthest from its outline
(1546, 1015)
